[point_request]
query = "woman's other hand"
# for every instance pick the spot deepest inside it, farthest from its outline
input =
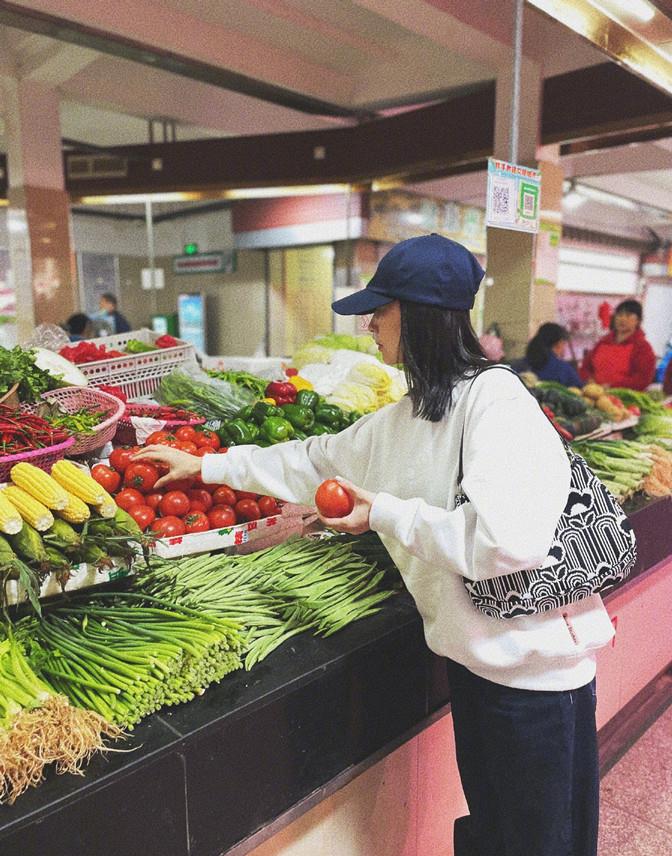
(358, 520)
(181, 464)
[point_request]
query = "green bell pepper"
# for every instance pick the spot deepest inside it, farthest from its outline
(353, 416)
(262, 410)
(242, 432)
(300, 435)
(329, 414)
(246, 413)
(301, 417)
(276, 429)
(318, 428)
(308, 398)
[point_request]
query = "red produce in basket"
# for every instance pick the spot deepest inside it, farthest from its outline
(128, 497)
(174, 503)
(143, 515)
(106, 477)
(141, 476)
(168, 527)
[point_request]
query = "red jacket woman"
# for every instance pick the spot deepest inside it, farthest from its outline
(623, 357)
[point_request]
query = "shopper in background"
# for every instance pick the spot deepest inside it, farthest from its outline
(109, 315)
(522, 690)
(623, 357)
(545, 355)
(78, 327)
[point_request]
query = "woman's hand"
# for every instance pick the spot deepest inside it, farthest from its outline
(358, 520)
(182, 465)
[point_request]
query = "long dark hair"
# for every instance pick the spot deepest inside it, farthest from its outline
(439, 348)
(539, 347)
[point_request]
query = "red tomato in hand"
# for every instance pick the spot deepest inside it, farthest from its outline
(268, 506)
(186, 446)
(247, 509)
(186, 433)
(205, 437)
(224, 495)
(141, 476)
(120, 457)
(167, 527)
(196, 521)
(128, 497)
(222, 516)
(153, 499)
(143, 515)
(203, 450)
(106, 477)
(174, 503)
(201, 496)
(332, 499)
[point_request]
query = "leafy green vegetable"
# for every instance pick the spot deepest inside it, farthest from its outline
(18, 366)
(246, 380)
(213, 399)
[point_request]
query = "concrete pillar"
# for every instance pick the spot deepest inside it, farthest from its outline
(40, 231)
(510, 254)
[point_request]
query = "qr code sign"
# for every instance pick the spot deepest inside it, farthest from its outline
(529, 204)
(501, 199)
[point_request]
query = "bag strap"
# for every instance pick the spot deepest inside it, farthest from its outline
(460, 471)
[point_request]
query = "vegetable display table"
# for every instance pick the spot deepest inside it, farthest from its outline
(220, 774)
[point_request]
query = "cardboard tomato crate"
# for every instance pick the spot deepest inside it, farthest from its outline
(270, 530)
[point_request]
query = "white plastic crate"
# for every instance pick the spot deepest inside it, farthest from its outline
(136, 374)
(83, 576)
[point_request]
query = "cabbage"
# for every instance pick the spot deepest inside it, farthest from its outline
(363, 343)
(311, 353)
(354, 396)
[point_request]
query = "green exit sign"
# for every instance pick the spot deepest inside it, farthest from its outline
(190, 249)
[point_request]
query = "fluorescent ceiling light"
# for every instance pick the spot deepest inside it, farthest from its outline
(131, 198)
(197, 196)
(639, 9)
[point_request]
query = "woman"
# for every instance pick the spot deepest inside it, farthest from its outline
(623, 357)
(522, 690)
(545, 355)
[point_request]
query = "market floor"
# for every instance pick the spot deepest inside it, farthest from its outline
(636, 810)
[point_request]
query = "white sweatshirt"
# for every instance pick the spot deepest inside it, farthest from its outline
(516, 475)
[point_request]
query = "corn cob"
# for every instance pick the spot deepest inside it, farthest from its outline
(78, 482)
(32, 511)
(76, 511)
(107, 508)
(39, 485)
(62, 535)
(10, 519)
(29, 544)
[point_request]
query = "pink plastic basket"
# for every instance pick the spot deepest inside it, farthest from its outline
(125, 435)
(42, 458)
(73, 398)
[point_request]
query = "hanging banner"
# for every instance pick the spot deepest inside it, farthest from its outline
(513, 199)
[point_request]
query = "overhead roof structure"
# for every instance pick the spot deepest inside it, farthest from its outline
(197, 69)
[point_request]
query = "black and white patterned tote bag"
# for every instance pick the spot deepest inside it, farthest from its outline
(593, 548)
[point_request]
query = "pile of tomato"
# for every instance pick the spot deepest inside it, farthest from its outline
(184, 506)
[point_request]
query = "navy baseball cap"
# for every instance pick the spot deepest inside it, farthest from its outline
(430, 269)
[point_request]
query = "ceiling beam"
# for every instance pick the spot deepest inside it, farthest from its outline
(441, 139)
(147, 53)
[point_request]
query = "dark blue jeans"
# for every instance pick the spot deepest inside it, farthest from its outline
(529, 768)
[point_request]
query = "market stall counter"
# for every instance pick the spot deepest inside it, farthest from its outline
(227, 770)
